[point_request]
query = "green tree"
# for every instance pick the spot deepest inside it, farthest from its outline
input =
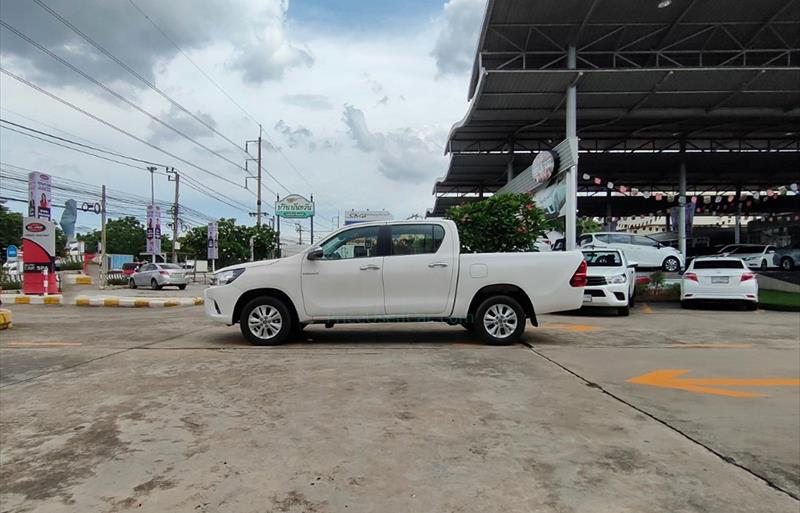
(502, 223)
(124, 236)
(234, 242)
(10, 229)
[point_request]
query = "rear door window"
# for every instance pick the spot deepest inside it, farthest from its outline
(416, 239)
(620, 238)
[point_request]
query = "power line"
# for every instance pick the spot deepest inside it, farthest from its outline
(130, 70)
(117, 95)
(114, 127)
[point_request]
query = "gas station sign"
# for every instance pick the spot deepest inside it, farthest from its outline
(39, 247)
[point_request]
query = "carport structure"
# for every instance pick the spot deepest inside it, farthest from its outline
(694, 95)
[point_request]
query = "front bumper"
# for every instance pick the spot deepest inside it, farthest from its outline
(613, 295)
(220, 301)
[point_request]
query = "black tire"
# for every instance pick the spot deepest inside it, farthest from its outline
(631, 300)
(787, 264)
(751, 306)
(154, 284)
(511, 324)
(687, 305)
(671, 264)
(131, 284)
(764, 265)
(267, 306)
(182, 287)
(624, 311)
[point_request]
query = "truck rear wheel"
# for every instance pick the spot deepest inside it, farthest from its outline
(266, 321)
(500, 320)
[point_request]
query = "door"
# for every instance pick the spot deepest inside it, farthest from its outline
(419, 270)
(622, 242)
(645, 251)
(142, 278)
(347, 281)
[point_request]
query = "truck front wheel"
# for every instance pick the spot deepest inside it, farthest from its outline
(500, 320)
(265, 321)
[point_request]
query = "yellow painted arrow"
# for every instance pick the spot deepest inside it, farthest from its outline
(670, 378)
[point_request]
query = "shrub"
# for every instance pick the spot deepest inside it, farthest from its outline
(502, 223)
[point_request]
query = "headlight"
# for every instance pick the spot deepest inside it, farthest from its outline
(618, 278)
(226, 277)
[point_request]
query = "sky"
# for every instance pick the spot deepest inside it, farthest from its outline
(355, 98)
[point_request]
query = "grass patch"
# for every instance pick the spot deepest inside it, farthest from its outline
(779, 300)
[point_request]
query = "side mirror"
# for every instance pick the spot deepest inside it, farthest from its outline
(315, 254)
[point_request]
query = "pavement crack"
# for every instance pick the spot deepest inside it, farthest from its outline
(102, 357)
(727, 459)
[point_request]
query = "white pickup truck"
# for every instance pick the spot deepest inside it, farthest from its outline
(396, 271)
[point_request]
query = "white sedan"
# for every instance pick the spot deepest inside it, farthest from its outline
(610, 280)
(754, 255)
(719, 279)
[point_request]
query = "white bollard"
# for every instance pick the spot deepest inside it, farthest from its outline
(46, 274)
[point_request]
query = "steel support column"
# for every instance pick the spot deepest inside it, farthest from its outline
(572, 173)
(682, 206)
(737, 230)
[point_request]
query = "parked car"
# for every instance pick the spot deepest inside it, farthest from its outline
(645, 251)
(719, 279)
(610, 280)
(157, 276)
(787, 258)
(754, 255)
(400, 271)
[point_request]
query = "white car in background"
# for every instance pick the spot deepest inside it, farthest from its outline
(645, 251)
(610, 280)
(719, 279)
(754, 255)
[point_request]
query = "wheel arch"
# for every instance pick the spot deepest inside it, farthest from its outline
(503, 289)
(250, 295)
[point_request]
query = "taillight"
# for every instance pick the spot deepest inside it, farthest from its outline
(690, 276)
(747, 276)
(579, 278)
(163, 273)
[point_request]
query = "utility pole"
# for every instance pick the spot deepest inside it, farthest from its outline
(175, 212)
(258, 174)
(103, 263)
(299, 228)
(258, 201)
(312, 222)
(278, 221)
(152, 170)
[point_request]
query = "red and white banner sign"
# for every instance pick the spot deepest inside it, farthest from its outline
(39, 196)
(39, 248)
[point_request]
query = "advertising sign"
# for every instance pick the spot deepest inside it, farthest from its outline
(213, 241)
(39, 246)
(363, 216)
(39, 195)
(153, 230)
(543, 166)
(294, 206)
(553, 197)
(11, 253)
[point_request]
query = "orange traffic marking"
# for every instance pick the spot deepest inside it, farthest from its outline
(670, 378)
(569, 327)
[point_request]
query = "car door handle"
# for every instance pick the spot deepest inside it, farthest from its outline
(438, 264)
(370, 267)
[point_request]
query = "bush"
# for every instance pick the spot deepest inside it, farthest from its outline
(71, 265)
(8, 284)
(502, 223)
(117, 281)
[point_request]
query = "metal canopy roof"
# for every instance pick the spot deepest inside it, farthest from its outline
(713, 74)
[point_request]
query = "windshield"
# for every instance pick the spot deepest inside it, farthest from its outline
(719, 264)
(602, 258)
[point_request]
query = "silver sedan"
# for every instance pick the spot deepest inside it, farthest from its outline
(156, 276)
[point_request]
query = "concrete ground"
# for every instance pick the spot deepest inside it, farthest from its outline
(159, 410)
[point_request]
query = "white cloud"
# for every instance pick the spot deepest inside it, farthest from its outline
(181, 122)
(458, 37)
(404, 155)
